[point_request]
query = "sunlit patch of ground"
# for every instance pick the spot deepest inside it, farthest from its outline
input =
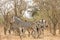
(47, 36)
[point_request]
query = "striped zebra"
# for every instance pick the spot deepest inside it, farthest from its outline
(39, 28)
(21, 26)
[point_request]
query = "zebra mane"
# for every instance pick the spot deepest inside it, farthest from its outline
(16, 18)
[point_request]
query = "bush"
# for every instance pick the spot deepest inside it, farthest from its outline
(1, 20)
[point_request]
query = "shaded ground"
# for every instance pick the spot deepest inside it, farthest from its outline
(47, 36)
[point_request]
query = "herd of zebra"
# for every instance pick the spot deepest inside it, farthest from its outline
(34, 29)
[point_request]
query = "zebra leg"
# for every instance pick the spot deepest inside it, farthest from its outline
(22, 32)
(34, 34)
(9, 31)
(28, 33)
(42, 33)
(19, 34)
(39, 33)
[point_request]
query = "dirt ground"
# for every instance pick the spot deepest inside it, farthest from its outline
(47, 36)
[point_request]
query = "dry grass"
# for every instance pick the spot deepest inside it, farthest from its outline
(47, 36)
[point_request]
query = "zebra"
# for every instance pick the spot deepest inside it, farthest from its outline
(22, 26)
(42, 27)
(39, 27)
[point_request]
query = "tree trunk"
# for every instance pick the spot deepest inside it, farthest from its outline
(54, 29)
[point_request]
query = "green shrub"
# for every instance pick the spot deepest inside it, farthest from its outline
(1, 20)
